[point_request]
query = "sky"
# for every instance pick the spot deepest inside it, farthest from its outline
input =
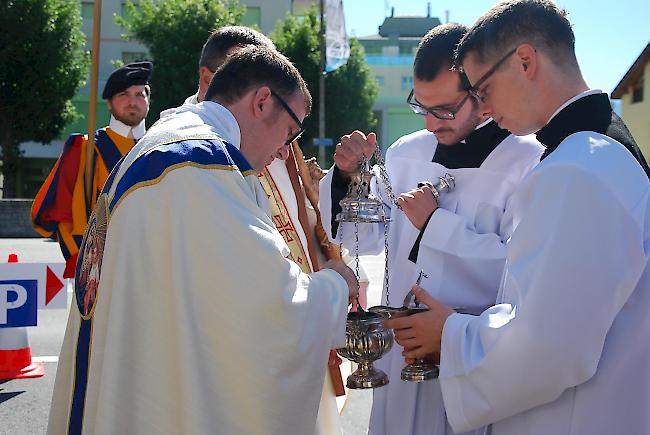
(610, 35)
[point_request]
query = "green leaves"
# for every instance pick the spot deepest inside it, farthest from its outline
(174, 31)
(43, 66)
(350, 91)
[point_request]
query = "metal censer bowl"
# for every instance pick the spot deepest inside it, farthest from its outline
(366, 341)
(421, 370)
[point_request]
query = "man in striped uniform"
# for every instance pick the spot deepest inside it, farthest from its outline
(63, 204)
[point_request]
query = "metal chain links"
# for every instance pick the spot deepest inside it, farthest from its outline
(340, 231)
(383, 174)
(356, 249)
(384, 177)
(386, 224)
(341, 244)
(389, 191)
(356, 258)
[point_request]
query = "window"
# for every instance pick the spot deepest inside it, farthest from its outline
(380, 80)
(407, 50)
(252, 17)
(133, 56)
(391, 50)
(372, 49)
(124, 12)
(407, 83)
(637, 91)
(87, 10)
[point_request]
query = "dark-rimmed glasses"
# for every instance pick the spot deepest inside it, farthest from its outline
(474, 90)
(293, 116)
(438, 112)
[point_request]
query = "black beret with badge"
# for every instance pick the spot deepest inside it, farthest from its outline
(132, 74)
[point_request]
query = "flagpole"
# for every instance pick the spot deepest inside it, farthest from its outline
(92, 104)
(321, 87)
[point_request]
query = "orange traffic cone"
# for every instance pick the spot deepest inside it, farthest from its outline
(15, 353)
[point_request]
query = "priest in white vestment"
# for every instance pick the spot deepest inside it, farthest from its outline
(566, 350)
(459, 241)
(286, 193)
(182, 338)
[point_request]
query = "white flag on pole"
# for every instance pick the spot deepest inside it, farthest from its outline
(336, 41)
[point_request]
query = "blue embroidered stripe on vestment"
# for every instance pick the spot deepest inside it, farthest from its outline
(157, 160)
(82, 360)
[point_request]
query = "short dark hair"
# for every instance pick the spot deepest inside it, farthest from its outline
(252, 67)
(223, 39)
(436, 50)
(510, 23)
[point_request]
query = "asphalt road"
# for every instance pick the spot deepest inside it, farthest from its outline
(25, 403)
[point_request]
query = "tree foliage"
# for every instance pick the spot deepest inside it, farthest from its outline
(350, 91)
(43, 66)
(174, 31)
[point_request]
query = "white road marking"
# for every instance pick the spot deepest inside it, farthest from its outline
(45, 359)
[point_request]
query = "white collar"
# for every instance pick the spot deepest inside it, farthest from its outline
(123, 130)
(572, 99)
(220, 119)
(484, 123)
(192, 99)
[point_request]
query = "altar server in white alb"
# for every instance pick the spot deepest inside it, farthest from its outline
(567, 348)
(199, 323)
(458, 242)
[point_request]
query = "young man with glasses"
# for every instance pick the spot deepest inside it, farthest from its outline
(459, 241)
(566, 350)
(284, 187)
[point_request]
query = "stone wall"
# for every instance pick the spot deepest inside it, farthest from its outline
(15, 219)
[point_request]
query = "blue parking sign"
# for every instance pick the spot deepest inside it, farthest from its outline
(18, 303)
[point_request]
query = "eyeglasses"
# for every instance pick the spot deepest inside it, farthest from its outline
(474, 90)
(444, 114)
(293, 116)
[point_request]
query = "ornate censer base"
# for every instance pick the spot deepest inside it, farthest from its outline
(366, 376)
(366, 341)
(421, 370)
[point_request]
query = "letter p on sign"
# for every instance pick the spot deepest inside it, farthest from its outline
(18, 304)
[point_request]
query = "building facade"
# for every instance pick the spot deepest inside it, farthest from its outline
(38, 158)
(634, 92)
(390, 55)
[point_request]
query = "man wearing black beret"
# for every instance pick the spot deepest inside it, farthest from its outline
(61, 208)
